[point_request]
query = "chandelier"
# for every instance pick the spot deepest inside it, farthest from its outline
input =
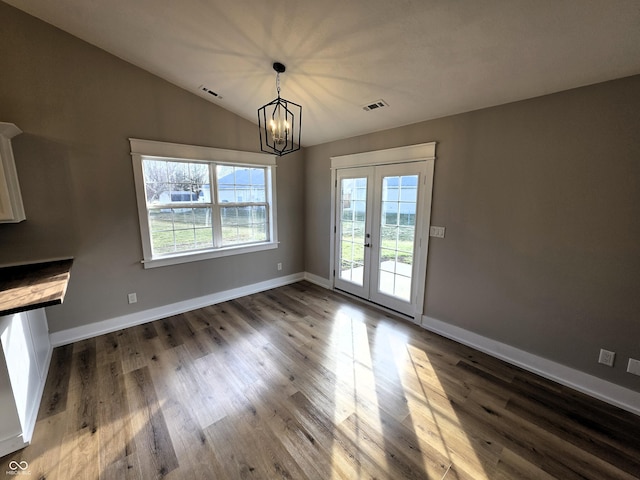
(279, 122)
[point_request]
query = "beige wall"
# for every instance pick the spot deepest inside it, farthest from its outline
(77, 106)
(541, 204)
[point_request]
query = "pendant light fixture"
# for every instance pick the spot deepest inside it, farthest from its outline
(279, 122)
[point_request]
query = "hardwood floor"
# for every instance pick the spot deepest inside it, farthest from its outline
(301, 383)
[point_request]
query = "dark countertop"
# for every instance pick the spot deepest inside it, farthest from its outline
(37, 285)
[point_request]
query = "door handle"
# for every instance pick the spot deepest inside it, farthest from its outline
(367, 244)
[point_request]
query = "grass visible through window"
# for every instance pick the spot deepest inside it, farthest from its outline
(180, 230)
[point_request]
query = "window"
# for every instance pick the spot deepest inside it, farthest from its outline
(196, 203)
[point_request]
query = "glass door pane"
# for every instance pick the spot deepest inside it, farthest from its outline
(352, 224)
(398, 210)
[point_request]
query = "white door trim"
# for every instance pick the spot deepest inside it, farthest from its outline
(410, 153)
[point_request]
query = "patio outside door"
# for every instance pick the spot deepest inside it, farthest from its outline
(378, 233)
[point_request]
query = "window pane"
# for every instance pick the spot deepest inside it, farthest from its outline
(160, 220)
(390, 188)
(407, 213)
(170, 182)
(226, 184)
(204, 238)
(389, 213)
(185, 239)
(155, 171)
(182, 216)
(409, 194)
(241, 184)
(258, 194)
(259, 231)
(244, 224)
(155, 176)
(180, 229)
(178, 172)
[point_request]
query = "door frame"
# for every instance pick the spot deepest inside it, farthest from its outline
(423, 152)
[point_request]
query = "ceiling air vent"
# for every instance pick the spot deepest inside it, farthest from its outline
(210, 92)
(375, 105)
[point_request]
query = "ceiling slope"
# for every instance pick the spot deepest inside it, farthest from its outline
(425, 59)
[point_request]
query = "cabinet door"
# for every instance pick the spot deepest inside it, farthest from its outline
(25, 349)
(21, 364)
(10, 428)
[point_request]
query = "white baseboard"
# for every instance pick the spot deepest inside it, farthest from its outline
(65, 337)
(320, 281)
(583, 382)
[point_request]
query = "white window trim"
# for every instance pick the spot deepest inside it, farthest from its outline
(173, 151)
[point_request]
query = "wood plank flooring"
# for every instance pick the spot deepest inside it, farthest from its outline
(301, 383)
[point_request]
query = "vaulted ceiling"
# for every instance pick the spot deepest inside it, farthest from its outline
(424, 58)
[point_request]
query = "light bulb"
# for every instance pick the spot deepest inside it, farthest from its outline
(279, 127)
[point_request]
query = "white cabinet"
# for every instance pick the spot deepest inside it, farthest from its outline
(26, 353)
(11, 208)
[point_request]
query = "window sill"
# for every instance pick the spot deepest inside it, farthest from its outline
(178, 258)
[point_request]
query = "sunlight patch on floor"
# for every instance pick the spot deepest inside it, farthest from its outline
(355, 382)
(438, 422)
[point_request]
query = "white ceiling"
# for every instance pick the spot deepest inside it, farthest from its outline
(425, 58)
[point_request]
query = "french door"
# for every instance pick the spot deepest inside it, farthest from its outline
(379, 225)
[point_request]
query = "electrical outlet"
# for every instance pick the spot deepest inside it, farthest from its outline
(279, 266)
(133, 298)
(607, 357)
(634, 366)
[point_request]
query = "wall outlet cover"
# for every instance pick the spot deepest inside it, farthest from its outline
(634, 366)
(606, 357)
